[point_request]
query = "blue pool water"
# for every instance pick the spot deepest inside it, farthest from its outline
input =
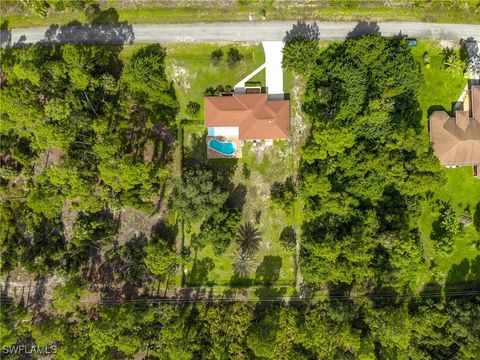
(224, 148)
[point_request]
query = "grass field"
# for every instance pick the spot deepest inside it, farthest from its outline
(189, 66)
(265, 166)
(240, 10)
(440, 89)
(462, 192)
(439, 92)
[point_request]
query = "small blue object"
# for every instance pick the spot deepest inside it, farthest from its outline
(225, 148)
(412, 42)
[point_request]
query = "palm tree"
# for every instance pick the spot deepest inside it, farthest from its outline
(248, 238)
(242, 264)
(453, 63)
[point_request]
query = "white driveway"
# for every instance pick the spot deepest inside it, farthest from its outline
(273, 68)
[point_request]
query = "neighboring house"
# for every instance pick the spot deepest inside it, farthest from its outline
(248, 114)
(456, 140)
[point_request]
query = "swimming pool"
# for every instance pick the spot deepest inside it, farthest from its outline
(225, 148)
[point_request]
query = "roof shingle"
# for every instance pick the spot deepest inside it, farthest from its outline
(255, 116)
(456, 140)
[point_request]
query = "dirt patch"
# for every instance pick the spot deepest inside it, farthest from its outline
(48, 158)
(68, 218)
(451, 44)
(134, 223)
(181, 76)
(298, 126)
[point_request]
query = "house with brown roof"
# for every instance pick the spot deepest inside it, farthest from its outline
(249, 113)
(242, 117)
(456, 139)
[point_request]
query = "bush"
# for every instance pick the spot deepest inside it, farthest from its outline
(234, 57)
(426, 59)
(193, 108)
(216, 56)
(288, 239)
(211, 91)
(220, 229)
(283, 194)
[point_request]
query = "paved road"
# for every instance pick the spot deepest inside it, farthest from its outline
(226, 32)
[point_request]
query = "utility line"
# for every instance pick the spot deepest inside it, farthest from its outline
(279, 299)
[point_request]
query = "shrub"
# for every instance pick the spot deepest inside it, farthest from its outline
(193, 108)
(234, 57)
(283, 194)
(216, 56)
(426, 59)
(288, 238)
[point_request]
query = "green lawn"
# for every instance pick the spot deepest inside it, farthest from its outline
(188, 12)
(189, 66)
(462, 191)
(439, 91)
(190, 69)
(265, 166)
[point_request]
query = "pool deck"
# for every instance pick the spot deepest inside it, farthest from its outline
(212, 154)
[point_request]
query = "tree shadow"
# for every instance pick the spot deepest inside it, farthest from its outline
(465, 275)
(199, 274)
(434, 108)
(239, 281)
(476, 217)
(268, 272)
(364, 28)
(165, 231)
(5, 34)
(39, 289)
(271, 292)
(195, 149)
(104, 28)
(303, 30)
(237, 197)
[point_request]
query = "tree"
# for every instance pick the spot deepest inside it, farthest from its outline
(160, 259)
(220, 228)
(65, 298)
(365, 165)
(234, 57)
(216, 56)
(242, 264)
(144, 76)
(193, 108)
(197, 195)
(449, 222)
(454, 64)
(426, 59)
(40, 7)
(283, 194)
(288, 238)
(248, 238)
(299, 54)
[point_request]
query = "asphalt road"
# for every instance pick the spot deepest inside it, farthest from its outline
(228, 32)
